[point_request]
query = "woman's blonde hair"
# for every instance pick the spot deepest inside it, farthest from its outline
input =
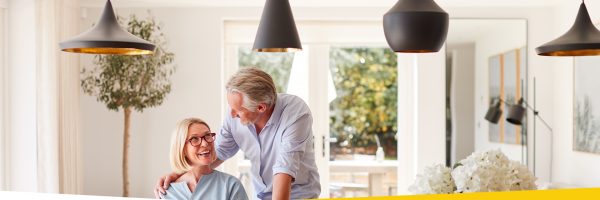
(178, 139)
(255, 86)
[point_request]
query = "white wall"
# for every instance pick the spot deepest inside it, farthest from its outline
(570, 167)
(462, 98)
(490, 45)
(421, 116)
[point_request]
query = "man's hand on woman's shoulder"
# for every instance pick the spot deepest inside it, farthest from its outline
(163, 184)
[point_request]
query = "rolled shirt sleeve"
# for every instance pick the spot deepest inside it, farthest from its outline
(294, 141)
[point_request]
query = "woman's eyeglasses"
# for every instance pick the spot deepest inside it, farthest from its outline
(196, 141)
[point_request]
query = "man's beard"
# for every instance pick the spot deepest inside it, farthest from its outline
(246, 123)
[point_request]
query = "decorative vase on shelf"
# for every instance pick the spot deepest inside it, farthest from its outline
(379, 155)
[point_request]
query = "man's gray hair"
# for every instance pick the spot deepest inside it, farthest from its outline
(255, 86)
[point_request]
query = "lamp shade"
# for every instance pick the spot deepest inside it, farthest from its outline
(494, 113)
(107, 37)
(583, 39)
(516, 114)
(277, 29)
(415, 26)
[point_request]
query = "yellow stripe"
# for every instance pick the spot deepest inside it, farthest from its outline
(586, 193)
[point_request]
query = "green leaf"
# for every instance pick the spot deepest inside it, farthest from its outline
(140, 82)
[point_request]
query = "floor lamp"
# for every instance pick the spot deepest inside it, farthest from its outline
(515, 115)
(493, 116)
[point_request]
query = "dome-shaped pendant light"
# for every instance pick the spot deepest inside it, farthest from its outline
(583, 39)
(415, 26)
(277, 30)
(107, 37)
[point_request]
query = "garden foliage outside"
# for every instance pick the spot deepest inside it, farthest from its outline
(365, 81)
(366, 105)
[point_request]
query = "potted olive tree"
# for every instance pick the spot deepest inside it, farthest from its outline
(125, 82)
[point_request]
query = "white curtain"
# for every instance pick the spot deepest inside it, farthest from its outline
(20, 97)
(3, 142)
(58, 163)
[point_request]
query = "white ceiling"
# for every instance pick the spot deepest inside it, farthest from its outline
(318, 3)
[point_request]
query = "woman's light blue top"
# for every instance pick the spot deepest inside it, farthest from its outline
(216, 185)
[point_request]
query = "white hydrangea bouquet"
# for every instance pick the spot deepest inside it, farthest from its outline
(488, 171)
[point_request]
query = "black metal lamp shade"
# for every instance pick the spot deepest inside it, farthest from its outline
(415, 26)
(583, 39)
(494, 113)
(516, 113)
(277, 29)
(107, 37)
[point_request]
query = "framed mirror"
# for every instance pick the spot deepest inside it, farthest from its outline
(486, 60)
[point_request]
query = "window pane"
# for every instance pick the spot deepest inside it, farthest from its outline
(365, 106)
(278, 65)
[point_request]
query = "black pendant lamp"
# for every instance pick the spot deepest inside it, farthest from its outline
(107, 37)
(415, 26)
(277, 29)
(516, 113)
(583, 39)
(494, 112)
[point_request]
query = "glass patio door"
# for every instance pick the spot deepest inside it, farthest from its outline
(362, 121)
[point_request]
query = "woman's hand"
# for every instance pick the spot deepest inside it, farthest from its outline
(163, 184)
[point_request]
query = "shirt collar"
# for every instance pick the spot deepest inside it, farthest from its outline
(277, 111)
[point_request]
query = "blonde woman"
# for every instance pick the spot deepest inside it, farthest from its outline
(192, 152)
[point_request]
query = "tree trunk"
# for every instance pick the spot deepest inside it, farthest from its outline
(126, 152)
